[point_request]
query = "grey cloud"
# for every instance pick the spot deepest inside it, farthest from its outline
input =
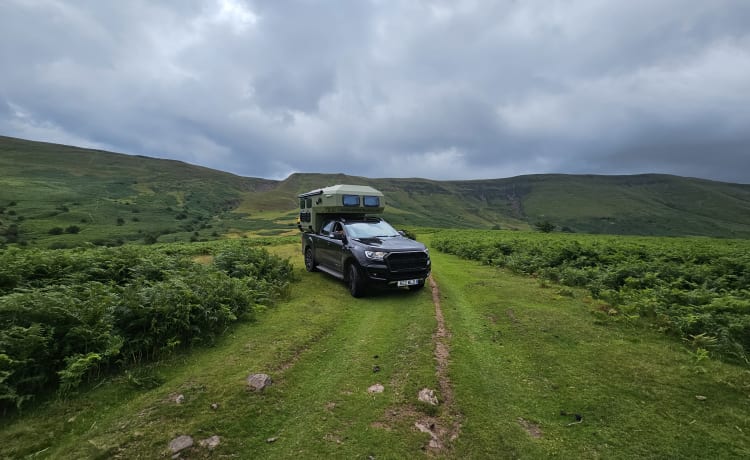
(444, 89)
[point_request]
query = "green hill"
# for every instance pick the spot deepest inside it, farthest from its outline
(58, 196)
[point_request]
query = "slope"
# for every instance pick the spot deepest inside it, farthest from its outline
(60, 196)
(64, 196)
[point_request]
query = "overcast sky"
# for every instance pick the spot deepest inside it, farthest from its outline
(438, 89)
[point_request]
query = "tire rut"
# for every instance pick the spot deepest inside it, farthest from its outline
(448, 428)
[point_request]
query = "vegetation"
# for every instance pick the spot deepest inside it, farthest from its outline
(69, 316)
(537, 376)
(110, 199)
(692, 288)
(114, 199)
(524, 362)
(101, 340)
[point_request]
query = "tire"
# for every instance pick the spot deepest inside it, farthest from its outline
(356, 283)
(310, 260)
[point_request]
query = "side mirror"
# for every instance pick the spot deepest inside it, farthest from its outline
(402, 233)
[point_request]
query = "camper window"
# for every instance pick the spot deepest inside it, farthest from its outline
(351, 200)
(371, 201)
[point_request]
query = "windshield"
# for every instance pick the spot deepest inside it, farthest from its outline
(370, 229)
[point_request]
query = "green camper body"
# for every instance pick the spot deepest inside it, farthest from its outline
(319, 205)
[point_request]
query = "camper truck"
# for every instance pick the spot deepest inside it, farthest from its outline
(343, 236)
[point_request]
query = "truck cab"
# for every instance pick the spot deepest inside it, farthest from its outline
(349, 243)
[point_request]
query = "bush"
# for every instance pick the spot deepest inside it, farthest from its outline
(67, 316)
(684, 287)
(55, 231)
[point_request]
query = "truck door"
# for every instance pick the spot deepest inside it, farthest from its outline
(329, 245)
(337, 247)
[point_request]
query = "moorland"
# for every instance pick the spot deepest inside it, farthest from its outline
(586, 316)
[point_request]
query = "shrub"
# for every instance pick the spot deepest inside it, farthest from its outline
(67, 316)
(684, 287)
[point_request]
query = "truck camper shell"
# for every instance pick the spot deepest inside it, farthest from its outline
(354, 201)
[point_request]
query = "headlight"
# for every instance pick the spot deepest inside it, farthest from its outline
(375, 255)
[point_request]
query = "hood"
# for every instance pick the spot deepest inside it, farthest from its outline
(396, 243)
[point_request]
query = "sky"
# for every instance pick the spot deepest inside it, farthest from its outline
(457, 89)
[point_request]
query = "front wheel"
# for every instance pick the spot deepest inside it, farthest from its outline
(309, 260)
(356, 283)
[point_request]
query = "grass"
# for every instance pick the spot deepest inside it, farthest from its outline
(319, 348)
(521, 354)
(521, 351)
(116, 198)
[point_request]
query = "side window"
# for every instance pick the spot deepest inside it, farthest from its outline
(308, 203)
(351, 200)
(327, 228)
(302, 203)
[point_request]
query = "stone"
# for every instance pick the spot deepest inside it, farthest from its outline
(428, 396)
(180, 443)
(377, 388)
(215, 406)
(257, 382)
(210, 443)
(179, 399)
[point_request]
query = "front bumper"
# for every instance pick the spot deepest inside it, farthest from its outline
(392, 271)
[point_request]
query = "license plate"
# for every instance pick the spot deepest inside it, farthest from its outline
(407, 283)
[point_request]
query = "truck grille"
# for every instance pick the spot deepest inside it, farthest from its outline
(406, 261)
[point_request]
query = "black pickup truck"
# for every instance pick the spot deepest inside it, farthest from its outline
(365, 251)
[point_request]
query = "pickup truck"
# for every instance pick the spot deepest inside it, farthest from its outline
(364, 251)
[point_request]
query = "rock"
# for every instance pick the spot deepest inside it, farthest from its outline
(700, 397)
(215, 406)
(434, 442)
(210, 443)
(428, 396)
(422, 427)
(257, 382)
(270, 440)
(376, 368)
(377, 388)
(179, 399)
(180, 443)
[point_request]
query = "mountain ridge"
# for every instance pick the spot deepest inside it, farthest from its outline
(102, 189)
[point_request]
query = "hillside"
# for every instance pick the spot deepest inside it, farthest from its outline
(59, 196)
(110, 198)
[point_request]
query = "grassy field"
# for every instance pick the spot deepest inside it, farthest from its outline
(59, 196)
(523, 367)
(531, 374)
(55, 196)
